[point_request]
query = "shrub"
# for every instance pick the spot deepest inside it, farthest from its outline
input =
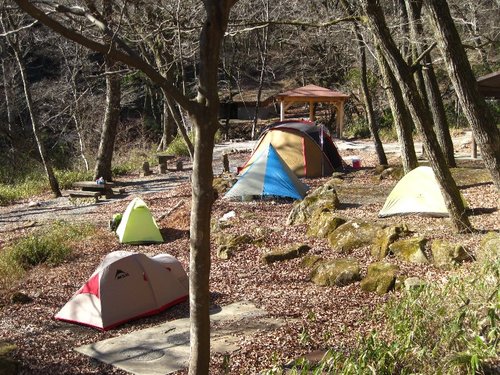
(51, 246)
(32, 185)
(178, 146)
(67, 177)
(439, 329)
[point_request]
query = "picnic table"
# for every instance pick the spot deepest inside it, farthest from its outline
(92, 189)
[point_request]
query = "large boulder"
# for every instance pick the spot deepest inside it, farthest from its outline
(489, 249)
(323, 198)
(289, 252)
(353, 234)
(338, 272)
(323, 223)
(229, 243)
(410, 250)
(223, 183)
(384, 238)
(380, 278)
(448, 254)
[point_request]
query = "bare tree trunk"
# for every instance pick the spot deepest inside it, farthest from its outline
(402, 119)
(427, 82)
(484, 129)
(110, 124)
(402, 72)
(7, 93)
(206, 122)
(263, 59)
(54, 185)
(382, 159)
(167, 122)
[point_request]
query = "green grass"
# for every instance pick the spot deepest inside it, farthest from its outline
(178, 146)
(25, 188)
(439, 329)
(51, 246)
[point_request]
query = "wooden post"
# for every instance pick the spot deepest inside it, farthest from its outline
(179, 165)
(473, 148)
(311, 111)
(145, 169)
(225, 163)
(282, 110)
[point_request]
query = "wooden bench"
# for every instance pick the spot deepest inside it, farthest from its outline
(105, 189)
(84, 194)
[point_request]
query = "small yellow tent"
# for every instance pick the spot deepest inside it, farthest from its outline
(418, 192)
(138, 225)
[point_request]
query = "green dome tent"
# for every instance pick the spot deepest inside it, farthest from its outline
(418, 192)
(138, 225)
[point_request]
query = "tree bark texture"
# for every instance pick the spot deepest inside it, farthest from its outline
(402, 118)
(483, 126)
(403, 74)
(428, 84)
(110, 125)
(370, 115)
(206, 123)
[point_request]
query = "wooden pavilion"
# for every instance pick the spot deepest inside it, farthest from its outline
(313, 94)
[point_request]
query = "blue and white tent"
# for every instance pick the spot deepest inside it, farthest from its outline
(268, 175)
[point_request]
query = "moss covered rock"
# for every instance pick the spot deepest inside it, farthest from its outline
(385, 237)
(310, 261)
(339, 272)
(412, 283)
(322, 223)
(446, 254)
(353, 234)
(323, 198)
(8, 366)
(380, 278)
(229, 243)
(223, 183)
(410, 250)
(489, 248)
(290, 252)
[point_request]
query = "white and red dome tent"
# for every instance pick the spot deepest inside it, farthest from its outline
(127, 286)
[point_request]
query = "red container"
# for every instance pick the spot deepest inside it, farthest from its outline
(356, 163)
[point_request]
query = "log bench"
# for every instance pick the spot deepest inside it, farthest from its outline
(84, 194)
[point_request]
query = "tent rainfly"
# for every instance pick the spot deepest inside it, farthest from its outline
(268, 176)
(138, 225)
(418, 192)
(306, 148)
(126, 286)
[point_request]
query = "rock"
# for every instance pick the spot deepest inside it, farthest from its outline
(21, 298)
(353, 234)
(323, 223)
(385, 237)
(8, 366)
(310, 261)
(489, 249)
(395, 173)
(380, 168)
(380, 278)
(323, 198)
(410, 250)
(412, 283)
(290, 252)
(446, 254)
(338, 272)
(223, 183)
(228, 244)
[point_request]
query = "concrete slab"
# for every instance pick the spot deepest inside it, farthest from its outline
(165, 348)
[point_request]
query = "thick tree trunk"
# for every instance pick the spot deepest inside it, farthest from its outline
(402, 72)
(109, 126)
(206, 123)
(402, 119)
(484, 129)
(427, 82)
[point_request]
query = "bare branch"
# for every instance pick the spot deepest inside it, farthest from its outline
(7, 33)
